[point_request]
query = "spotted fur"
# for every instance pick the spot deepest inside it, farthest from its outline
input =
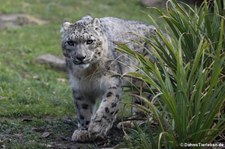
(95, 68)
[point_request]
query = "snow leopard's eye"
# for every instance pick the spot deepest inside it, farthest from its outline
(89, 41)
(71, 43)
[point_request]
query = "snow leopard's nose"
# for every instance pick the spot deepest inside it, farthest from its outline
(80, 58)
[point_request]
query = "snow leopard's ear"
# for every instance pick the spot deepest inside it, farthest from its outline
(96, 23)
(65, 26)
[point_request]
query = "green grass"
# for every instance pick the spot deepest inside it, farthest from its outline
(30, 89)
(24, 83)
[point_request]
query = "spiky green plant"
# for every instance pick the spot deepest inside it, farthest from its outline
(188, 76)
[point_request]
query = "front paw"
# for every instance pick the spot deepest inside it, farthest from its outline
(98, 130)
(81, 136)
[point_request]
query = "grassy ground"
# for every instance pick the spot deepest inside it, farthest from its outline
(35, 102)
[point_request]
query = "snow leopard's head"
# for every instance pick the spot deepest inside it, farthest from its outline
(83, 42)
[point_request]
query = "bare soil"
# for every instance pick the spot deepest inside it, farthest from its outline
(49, 133)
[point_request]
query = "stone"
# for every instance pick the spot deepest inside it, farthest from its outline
(18, 20)
(52, 61)
(151, 3)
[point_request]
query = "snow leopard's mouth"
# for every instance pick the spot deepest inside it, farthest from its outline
(81, 64)
(84, 66)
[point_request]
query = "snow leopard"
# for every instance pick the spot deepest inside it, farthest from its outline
(96, 68)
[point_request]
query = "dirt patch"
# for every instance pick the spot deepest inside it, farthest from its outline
(49, 133)
(18, 20)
